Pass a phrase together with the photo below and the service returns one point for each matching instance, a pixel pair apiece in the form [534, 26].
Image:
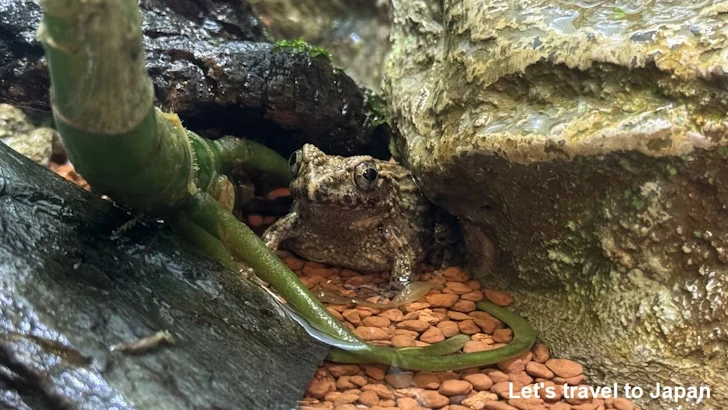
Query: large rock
[589, 142]
[74, 283]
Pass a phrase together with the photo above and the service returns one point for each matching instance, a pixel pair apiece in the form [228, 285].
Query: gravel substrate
[448, 309]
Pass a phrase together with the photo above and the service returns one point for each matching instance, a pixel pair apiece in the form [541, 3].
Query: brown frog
[356, 212]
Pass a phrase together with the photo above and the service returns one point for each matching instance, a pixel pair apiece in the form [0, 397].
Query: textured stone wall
[588, 141]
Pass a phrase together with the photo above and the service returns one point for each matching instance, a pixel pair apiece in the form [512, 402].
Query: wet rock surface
[208, 64]
[356, 32]
[73, 284]
[588, 142]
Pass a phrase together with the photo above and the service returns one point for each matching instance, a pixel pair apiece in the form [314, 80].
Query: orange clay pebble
[399, 380]
[369, 398]
[332, 395]
[427, 380]
[376, 321]
[255, 220]
[395, 315]
[448, 328]
[438, 282]
[468, 327]
[441, 300]
[426, 315]
[411, 316]
[455, 387]
[540, 353]
[504, 389]
[432, 399]
[498, 297]
[403, 341]
[537, 369]
[311, 270]
[496, 375]
[408, 403]
[371, 333]
[521, 378]
[320, 385]
[474, 296]
[479, 381]
[432, 335]
[382, 391]
[486, 325]
[352, 315]
[455, 274]
[338, 370]
[335, 314]
[415, 306]
[343, 383]
[564, 368]
[415, 325]
[516, 364]
[457, 316]
[456, 288]
[483, 338]
[464, 306]
[346, 398]
[480, 400]
[474, 346]
[527, 404]
[473, 284]
[375, 371]
[293, 262]
[503, 335]
[278, 193]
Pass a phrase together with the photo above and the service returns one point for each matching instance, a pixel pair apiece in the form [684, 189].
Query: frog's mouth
[319, 199]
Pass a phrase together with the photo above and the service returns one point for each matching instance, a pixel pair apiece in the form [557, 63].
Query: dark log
[73, 283]
[208, 65]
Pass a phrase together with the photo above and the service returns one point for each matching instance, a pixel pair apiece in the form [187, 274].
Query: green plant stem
[103, 105]
[523, 339]
[239, 152]
[202, 240]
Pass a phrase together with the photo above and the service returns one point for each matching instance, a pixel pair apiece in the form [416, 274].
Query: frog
[355, 212]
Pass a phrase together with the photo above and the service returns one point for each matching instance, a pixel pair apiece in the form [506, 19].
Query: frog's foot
[281, 230]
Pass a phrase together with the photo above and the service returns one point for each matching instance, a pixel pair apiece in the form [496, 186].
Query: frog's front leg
[405, 258]
[281, 230]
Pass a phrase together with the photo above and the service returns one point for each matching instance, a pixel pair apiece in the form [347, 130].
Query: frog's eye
[294, 161]
[365, 175]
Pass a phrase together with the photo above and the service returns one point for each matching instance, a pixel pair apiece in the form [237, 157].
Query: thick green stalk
[237, 152]
[103, 100]
[202, 240]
